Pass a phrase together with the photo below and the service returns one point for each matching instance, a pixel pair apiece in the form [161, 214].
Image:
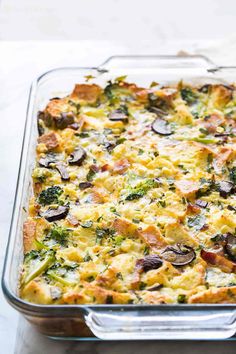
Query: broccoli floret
[141, 189]
[59, 234]
[50, 195]
[188, 95]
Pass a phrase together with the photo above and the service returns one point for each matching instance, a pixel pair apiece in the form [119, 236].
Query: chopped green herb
[120, 141]
[162, 203]
[82, 134]
[146, 250]
[91, 173]
[140, 151]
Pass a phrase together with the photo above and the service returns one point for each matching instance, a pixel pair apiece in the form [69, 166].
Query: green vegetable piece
[205, 140]
[181, 299]
[141, 189]
[40, 266]
[40, 245]
[188, 95]
[50, 195]
[67, 282]
[59, 234]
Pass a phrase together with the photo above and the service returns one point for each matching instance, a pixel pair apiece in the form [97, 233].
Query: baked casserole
[134, 197]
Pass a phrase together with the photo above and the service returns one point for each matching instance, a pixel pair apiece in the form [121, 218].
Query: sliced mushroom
[85, 185]
[149, 262]
[230, 207]
[204, 88]
[65, 119]
[53, 214]
[118, 115]
[201, 203]
[61, 167]
[179, 255]
[155, 287]
[226, 188]
[48, 159]
[162, 127]
[109, 145]
[159, 112]
[74, 126]
[230, 246]
[78, 156]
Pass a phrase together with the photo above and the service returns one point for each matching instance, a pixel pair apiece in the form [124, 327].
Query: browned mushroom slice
[65, 119]
[74, 126]
[144, 265]
[48, 159]
[85, 185]
[219, 261]
[61, 167]
[150, 262]
[201, 203]
[159, 112]
[77, 156]
[226, 188]
[162, 127]
[119, 115]
[53, 214]
[230, 246]
[179, 255]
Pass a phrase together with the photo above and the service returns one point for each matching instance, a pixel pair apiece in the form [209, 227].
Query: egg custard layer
[134, 197]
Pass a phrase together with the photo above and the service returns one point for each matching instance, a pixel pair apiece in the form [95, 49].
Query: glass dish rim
[64, 310]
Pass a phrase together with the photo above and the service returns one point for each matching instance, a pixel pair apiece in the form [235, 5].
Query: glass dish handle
[163, 62]
[157, 324]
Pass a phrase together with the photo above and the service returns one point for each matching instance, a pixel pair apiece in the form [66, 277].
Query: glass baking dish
[111, 322]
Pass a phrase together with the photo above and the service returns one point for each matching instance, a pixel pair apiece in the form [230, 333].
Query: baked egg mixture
[134, 197]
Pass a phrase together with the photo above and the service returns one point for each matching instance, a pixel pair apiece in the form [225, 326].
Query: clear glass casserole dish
[112, 322]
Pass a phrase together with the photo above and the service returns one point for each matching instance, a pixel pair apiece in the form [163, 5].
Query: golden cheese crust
[133, 197]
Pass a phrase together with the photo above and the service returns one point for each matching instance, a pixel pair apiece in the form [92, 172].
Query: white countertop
[20, 63]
